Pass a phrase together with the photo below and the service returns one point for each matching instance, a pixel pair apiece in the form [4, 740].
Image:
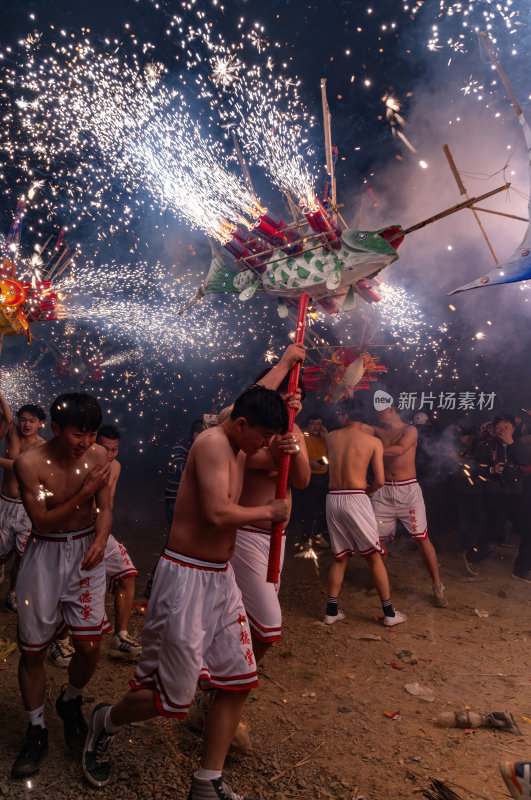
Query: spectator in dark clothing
[501, 464]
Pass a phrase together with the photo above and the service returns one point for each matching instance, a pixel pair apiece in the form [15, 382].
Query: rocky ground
[320, 722]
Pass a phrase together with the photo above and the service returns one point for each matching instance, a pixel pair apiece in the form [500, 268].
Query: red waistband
[405, 482]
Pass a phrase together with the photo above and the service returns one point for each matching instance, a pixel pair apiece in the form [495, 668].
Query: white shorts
[351, 524]
[50, 574]
[196, 630]
[400, 500]
[118, 565]
[15, 527]
[260, 598]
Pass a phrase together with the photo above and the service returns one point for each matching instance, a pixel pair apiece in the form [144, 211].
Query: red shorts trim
[151, 685]
[263, 633]
[114, 580]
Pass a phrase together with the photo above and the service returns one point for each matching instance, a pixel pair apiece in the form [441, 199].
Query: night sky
[154, 385]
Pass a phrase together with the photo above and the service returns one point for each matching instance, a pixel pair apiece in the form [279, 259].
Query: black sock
[387, 608]
[331, 607]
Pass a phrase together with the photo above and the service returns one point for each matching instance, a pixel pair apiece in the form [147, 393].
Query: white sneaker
[213, 790]
[124, 647]
[60, 652]
[396, 620]
[329, 619]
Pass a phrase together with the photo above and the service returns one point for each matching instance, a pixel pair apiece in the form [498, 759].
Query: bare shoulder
[96, 455]
[34, 455]
[38, 442]
[116, 468]
[210, 443]
[410, 431]
[376, 443]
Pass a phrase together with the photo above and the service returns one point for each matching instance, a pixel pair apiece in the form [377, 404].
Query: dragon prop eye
[361, 236]
[525, 252]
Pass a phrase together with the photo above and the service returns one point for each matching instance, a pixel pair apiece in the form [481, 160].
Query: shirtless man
[120, 572]
[62, 566]
[349, 515]
[401, 497]
[15, 525]
[196, 626]
[251, 554]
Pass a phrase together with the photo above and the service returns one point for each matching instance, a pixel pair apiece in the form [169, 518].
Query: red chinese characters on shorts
[85, 597]
[242, 619]
[84, 582]
[244, 637]
[249, 657]
[86, 612]
[123, 551]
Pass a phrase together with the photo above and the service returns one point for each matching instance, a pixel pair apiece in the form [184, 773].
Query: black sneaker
[213, 790]
[75, 725]
[33, 751]
[96, 753]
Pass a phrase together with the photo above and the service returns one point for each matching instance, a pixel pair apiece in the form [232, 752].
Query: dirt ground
[318, 720]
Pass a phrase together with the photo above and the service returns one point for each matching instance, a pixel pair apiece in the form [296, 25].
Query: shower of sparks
[272, 121]
[470, 17]
[392, 109]
[225, 71]
[102, 129]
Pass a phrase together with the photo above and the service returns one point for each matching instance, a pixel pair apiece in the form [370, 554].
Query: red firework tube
[273, 565]
[238, 250]
[319, 224]
[252, 245]
[280, 225]
[270, 232]
[335, 227]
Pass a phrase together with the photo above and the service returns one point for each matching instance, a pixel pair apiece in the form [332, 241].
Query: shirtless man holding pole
[401, 497]
[349, 515]
[196, 627]
[62, 575]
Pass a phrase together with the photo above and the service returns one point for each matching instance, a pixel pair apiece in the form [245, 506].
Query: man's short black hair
[263, 408]
[79, 409]
[313, 417]
[109, 432]
[353, 409]
[197, 426]
[35, 411]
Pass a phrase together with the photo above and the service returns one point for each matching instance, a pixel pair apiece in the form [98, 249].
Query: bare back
[350, 451]
[400, 446]
[213, 470]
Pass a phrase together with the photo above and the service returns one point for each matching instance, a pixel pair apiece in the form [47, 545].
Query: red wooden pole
[273, 566]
